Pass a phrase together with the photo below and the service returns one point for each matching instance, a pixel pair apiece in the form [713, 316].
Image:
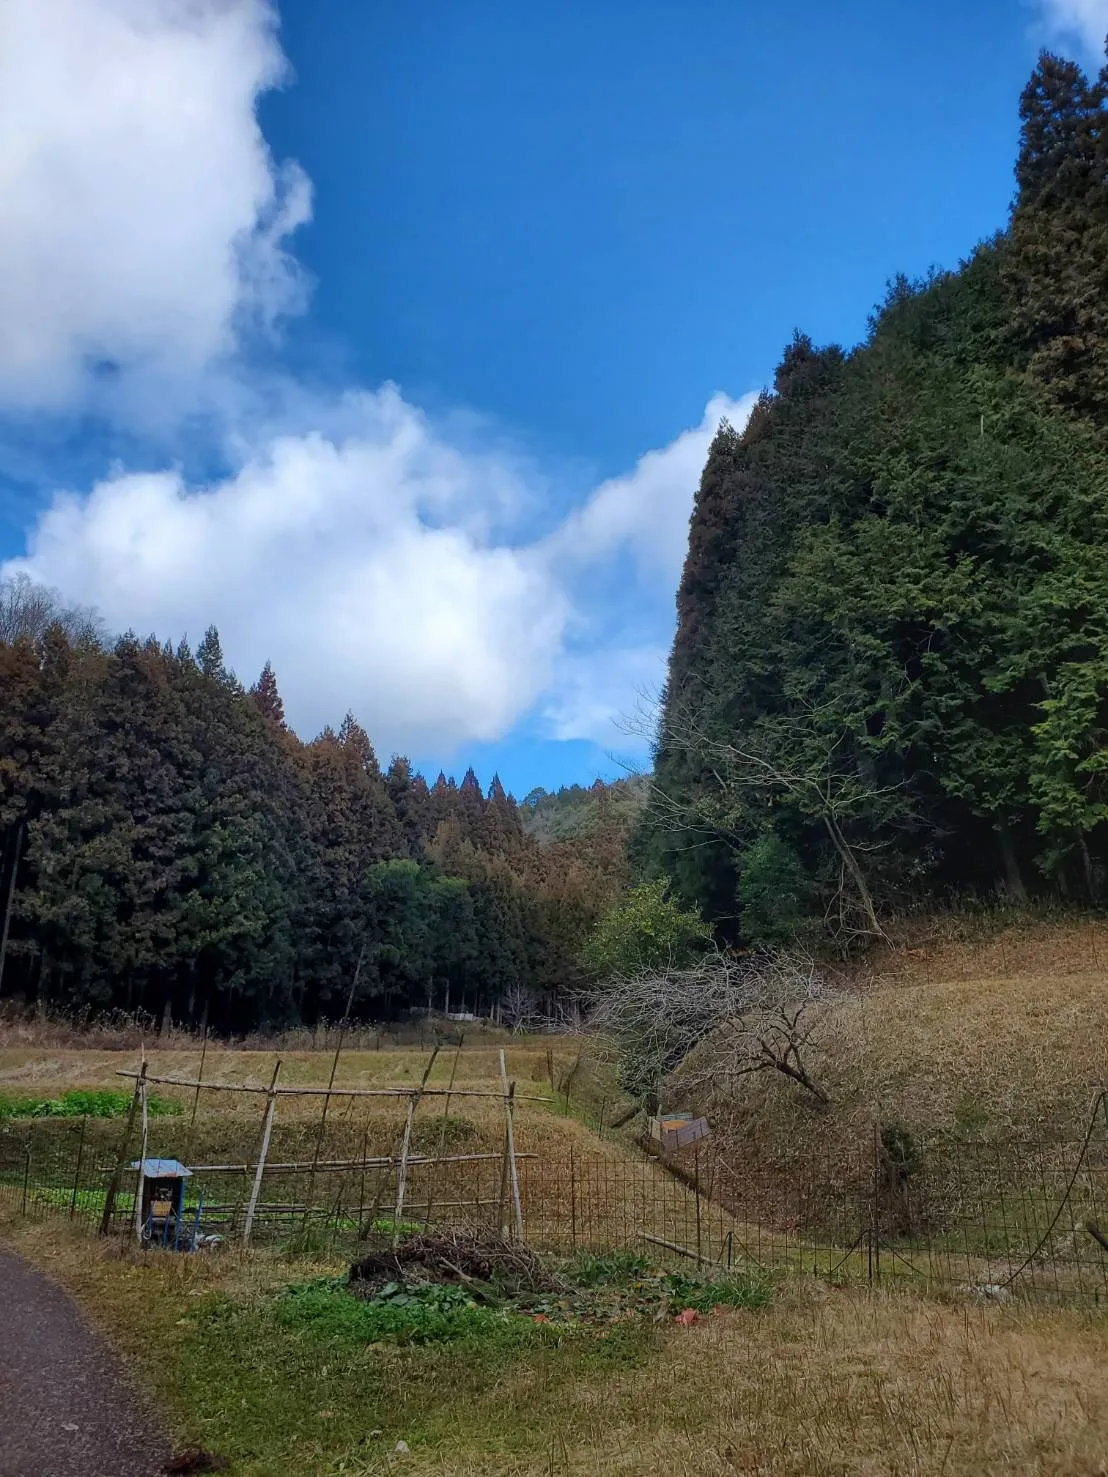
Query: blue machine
[163, 1204]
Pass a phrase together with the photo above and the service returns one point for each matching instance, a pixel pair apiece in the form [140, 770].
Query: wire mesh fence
[1002, 1217]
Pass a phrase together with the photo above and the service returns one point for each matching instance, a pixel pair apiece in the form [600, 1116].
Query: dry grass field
[991, 1058]
[828, 1381]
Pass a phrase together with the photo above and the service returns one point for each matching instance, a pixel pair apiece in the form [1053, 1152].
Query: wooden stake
[196, 1095]
[267, 1130]
[142, 1160]
[445, 1120]
[402, 1172]
[121, 1158]
[310, 1197]
[509, 1114]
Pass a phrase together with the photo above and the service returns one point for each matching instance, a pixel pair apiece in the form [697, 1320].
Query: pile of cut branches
[480, 1263]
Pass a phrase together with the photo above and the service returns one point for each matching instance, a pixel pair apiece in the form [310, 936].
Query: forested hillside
[168, 844]
[577, 811]
[890, 673]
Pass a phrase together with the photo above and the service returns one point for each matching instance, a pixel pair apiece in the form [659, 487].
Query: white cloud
[607, 696]
[362, 564]
[375, 558]
[1085, 21]
[647, 509]
[333, 559]
[144, 218]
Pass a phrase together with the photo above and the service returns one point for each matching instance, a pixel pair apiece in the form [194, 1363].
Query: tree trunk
[1087, 865]
[10, 902]
[850, 862]
[1013, 877]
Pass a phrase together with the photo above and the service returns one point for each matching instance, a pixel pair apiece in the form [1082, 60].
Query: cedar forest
[172, 847]
[889, 685]
[887, 689]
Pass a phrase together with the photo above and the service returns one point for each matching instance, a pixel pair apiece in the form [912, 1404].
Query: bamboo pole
[267, 1130]
[450, 1089]
[509, 1113]
[693, 1256]
[382, 1162]
[331, 1080]
[501, 1199]
[402, 1172]
[121, 1158]
[403, 1092]
[142, 1160]
[445, 1120]
[196, 1095]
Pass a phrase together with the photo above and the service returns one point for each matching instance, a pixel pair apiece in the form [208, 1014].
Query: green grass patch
[314, 1380]
[80, 1103]
[435, 1313]
[735, 1290]
[633, 1282]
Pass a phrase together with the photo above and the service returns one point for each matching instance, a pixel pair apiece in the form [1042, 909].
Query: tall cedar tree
[894, 611]
[168, 845]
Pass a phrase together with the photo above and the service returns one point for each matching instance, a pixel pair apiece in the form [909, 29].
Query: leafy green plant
[385, 1225]
[81, 1103]
[617, 1266]
[647, 929]
[736, 1290]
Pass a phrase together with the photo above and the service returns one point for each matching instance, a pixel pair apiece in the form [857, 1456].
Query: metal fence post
[26, 1173]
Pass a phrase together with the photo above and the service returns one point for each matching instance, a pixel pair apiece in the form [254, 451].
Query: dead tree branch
[726, 1016]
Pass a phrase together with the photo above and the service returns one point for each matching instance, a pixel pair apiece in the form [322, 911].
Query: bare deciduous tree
[747, 1014]
[28, 610]
[519, 1009]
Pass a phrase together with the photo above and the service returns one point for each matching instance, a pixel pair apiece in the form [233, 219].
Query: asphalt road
[66, 1407]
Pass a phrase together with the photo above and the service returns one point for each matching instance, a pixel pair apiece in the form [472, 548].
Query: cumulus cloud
[607, 695]
[145, 221]
[348, 563]
[380, 561]
[1085, 21]
[647, 510]
[367, 566]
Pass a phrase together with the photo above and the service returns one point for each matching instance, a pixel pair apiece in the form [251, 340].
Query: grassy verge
[824, 1383]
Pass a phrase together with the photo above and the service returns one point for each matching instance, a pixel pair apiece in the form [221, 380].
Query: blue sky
[392, 339]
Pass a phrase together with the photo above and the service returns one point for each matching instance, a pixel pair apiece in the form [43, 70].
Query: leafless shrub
[746, 1014]
[520, 1009]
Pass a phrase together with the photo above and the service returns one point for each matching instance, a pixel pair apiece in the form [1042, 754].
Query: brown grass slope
[1000, 1040]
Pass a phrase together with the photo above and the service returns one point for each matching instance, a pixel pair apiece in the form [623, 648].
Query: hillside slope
[1013, 1055]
